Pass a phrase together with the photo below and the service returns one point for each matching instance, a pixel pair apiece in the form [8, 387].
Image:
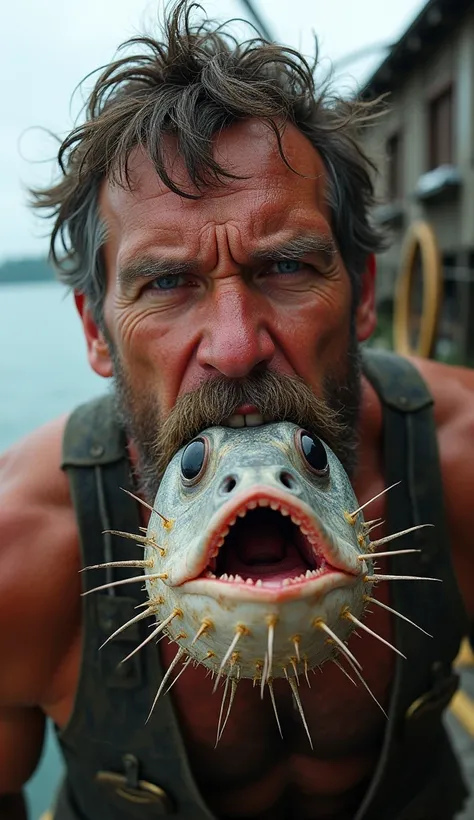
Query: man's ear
[98, 352]
[366, 312]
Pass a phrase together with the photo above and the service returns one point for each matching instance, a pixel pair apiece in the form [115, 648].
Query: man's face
[243, 280]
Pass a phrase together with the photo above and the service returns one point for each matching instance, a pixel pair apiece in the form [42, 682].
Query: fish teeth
[219, 542]
[238, 578]
[274, 505]
[263, 502]
[242, 513]
[284, 511]
[296, 520]
[230, 578]
[304, 530]
[231, 523]
[298, 578]
[223, 577]
[259, 583]
[309, 573]
[249, 581]
[251, 505]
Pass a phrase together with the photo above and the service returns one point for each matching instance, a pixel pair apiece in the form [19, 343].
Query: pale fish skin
[244, 628]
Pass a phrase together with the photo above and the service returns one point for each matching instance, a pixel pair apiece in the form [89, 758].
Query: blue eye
[168, 282]
[288, 266]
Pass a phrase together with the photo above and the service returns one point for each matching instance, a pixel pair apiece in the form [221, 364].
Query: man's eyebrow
[298, 247]
[152, 269]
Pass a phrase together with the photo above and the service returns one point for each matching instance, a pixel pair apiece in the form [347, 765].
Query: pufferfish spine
[258, 562]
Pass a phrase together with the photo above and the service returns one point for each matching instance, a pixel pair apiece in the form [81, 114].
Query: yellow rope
[420, 244]
[465, 656]
[462, 707]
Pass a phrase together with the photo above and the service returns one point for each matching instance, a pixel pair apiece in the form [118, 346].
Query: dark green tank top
[118, 767]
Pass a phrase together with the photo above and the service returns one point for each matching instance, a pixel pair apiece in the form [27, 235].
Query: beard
[157, 437]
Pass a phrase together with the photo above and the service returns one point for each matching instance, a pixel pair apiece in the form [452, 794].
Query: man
[214, 211]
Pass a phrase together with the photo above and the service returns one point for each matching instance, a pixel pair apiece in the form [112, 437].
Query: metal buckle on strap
[140, 792]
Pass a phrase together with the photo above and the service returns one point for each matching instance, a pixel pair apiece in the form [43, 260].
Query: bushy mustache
[276, 396]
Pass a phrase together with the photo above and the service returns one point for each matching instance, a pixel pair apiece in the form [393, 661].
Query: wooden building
[424, 148]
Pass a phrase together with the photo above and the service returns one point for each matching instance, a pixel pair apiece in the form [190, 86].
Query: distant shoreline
[16, 271]
[17, 282]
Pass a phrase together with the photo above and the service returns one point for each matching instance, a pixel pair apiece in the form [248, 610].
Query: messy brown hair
[194, 82]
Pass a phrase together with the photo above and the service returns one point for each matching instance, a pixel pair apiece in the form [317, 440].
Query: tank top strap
[411, 457]
[119, 764]
[425, 682]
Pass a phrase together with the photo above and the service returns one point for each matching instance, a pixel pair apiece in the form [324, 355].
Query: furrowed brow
[298, 248]
[152, 269]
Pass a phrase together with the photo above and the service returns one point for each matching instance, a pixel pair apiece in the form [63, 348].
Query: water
[43, 373]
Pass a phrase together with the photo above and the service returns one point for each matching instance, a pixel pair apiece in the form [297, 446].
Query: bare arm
[453, 392]
[21, 728]
[38, 602]
[21, 742]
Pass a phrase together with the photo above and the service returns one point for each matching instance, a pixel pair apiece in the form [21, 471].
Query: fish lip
[241, 592]
[296, 507]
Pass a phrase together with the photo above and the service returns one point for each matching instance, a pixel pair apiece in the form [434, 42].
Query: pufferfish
[258, 561]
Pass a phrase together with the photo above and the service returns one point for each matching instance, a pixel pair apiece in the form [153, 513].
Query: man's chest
[254, 768]
[253, 772]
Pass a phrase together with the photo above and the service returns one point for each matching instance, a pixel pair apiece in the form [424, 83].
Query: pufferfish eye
[193, 459]
[314, 453]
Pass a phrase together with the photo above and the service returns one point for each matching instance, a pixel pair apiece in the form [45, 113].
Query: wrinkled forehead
[248, 150]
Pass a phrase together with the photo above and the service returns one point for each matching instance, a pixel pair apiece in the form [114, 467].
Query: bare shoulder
[452, 389]
[39, 562]
[35, 457]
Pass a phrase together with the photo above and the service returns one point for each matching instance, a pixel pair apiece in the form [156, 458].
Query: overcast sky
[48, 46]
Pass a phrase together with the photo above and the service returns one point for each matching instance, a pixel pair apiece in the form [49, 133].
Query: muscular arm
[39, 602]
[21, 727]
[453, 393]
[21, 741]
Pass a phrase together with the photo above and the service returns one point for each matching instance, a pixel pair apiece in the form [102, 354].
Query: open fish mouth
[270, 585]
[266, 544]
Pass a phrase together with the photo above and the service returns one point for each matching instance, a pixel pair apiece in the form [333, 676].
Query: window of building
[394, 167]
[440, 129]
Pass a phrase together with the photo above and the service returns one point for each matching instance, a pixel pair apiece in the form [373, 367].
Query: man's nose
[237, 337]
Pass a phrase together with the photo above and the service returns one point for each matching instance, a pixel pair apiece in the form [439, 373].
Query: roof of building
[434, 24]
